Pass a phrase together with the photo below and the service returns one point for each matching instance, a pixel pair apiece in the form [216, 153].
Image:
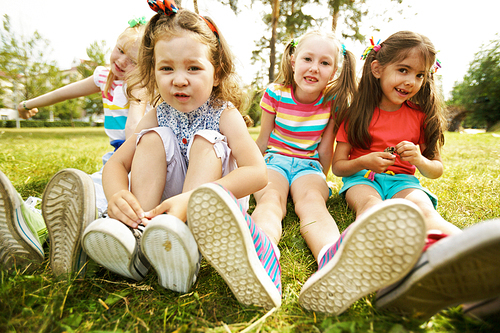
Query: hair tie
[135, 21]
[435, 67]
[344, 51]
[166, 7]
[373, 46]
[294, 43]
[212, 27]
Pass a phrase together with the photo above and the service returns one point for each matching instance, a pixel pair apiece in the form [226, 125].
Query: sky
[457, 31]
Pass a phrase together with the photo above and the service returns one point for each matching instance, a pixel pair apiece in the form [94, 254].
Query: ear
[216, 79]
[376, 69]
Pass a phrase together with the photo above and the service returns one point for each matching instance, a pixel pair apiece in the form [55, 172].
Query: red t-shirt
[387, 129]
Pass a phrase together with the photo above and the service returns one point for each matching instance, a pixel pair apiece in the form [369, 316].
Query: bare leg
[271, 206]
[362, 197]
[204, 165]
[148, 171]
[433, 220]
[317, 226]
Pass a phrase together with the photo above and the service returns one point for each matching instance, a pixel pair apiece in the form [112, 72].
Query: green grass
[103, 301]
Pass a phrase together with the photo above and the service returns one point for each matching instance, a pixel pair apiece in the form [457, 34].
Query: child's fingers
[160, 209]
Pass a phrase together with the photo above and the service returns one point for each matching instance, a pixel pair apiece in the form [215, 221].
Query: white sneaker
[171, 249]
[376, 250]
[68, 206]
[20, 243]
[116, 247]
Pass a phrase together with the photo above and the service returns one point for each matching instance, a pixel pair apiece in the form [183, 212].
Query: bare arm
[266, 127]
[122, 204]
[411, 153]
[343, 167]
[135, 113]
[325, 148]
[81, 88]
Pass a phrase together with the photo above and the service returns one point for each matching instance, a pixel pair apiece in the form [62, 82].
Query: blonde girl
[196, 135]
[72, 199]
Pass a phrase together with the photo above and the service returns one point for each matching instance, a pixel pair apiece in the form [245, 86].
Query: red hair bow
[166, 7]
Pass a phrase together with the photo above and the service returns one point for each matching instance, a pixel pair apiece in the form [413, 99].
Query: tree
[26, 70]
[479, 92]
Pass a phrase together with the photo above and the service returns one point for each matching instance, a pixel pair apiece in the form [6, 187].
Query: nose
[410, 81]
[314, 67]
[180, 79]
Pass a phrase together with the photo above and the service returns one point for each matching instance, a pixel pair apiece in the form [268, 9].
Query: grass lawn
[104, 302]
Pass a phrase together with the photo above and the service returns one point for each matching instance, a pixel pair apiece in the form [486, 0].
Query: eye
[194, 68]
[325, 63]
[403, 70]
[166, 69]
[307, 59]
[421, 76]
[120, 50]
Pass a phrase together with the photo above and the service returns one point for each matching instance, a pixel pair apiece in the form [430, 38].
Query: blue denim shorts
[386, 185]
[293, 167]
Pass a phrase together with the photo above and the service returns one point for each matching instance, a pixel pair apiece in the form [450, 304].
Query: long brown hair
[161, 26]
[369, 94]
[338, 91]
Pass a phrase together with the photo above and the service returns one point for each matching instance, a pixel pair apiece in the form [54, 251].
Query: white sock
[323, 251]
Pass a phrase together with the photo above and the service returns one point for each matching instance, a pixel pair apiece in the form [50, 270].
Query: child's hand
[25, 114]
[123, 206]
[176, 206]
[409, 152]
[378, 161]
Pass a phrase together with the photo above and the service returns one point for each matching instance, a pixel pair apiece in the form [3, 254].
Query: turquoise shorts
[386, 185]
[293, 168]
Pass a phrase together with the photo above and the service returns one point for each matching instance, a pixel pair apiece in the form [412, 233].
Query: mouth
[181, 96]
[402, 92]
[310, 79]
[118, 68]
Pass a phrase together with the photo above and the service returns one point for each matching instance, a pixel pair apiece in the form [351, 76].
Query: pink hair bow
[373, 46]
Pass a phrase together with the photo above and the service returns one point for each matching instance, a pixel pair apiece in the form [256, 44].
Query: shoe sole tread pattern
[15, 247]
[68, 206]
[112, 245]
[449, 273]
[169, 255]
[228, 246]
[376, 252]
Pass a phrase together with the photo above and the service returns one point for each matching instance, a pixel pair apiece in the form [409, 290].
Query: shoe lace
[32, 202]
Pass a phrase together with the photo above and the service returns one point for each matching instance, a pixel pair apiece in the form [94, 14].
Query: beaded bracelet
[24, 106]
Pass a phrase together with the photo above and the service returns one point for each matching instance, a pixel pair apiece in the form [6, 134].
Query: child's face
[122, 62]
[313, 66]
[183, 72]
[400, 80]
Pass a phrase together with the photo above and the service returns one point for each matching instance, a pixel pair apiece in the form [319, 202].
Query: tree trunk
[272, 46]
[335, 16]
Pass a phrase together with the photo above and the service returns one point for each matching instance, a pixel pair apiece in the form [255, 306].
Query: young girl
[69, 201]
[394, 126]
[196, 136]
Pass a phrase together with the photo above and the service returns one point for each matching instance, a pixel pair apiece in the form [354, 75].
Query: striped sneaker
[458, 269]
[379, 248]
[235, 246]
[115, 246]
[22, 229]
[68, 206]
[171, 249]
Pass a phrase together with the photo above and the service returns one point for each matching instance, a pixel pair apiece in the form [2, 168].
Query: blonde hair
[162, 26]
[338, 91]
[428, 99]
[130, 36]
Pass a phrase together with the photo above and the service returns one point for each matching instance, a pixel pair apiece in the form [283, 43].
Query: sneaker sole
[381, 248]
[224, 240]
[171, 249]
[458, 269]
[18, 245]
[68, 206]
[112, 245]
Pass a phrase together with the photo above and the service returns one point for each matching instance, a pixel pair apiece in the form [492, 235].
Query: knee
[305, 202]
[274, 197]
[150, 138]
